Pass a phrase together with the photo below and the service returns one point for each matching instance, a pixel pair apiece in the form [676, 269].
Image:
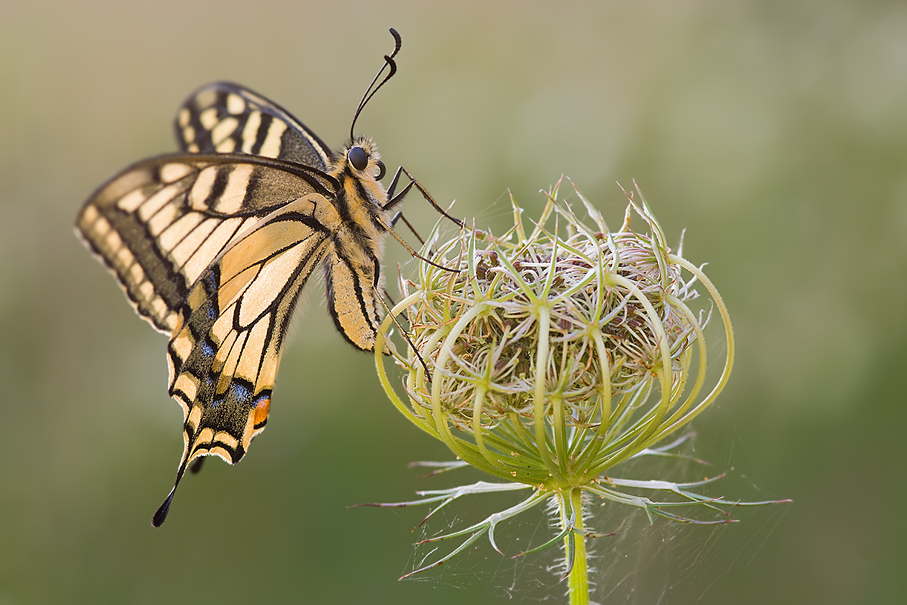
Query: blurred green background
[775, 133]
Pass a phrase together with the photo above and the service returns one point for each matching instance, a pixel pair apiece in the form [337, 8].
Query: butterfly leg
[399, 216]
[394, 200]
[394, 183]
[405, 334]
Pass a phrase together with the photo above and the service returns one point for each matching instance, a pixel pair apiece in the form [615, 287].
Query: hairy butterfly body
[213, 245]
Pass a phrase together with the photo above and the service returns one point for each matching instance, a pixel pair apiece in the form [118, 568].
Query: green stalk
[578, 577]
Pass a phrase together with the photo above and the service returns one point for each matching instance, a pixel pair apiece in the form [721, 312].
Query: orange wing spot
[260, 414]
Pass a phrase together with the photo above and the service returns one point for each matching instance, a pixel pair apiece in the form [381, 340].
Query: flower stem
[575, 541]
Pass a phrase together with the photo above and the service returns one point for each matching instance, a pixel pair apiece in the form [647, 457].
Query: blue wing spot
[241, 393]
[208, 349]
[210, 280]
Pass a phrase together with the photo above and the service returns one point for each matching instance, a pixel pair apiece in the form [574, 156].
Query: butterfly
[213, 245]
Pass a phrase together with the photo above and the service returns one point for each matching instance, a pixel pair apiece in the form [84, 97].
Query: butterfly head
[363, 160]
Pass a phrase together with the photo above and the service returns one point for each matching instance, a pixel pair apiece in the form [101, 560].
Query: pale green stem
[578, 579]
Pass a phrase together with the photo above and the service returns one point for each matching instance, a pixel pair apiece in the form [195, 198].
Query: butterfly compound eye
[358, 158]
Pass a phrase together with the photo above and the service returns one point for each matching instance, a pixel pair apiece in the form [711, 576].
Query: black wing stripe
[261, 133]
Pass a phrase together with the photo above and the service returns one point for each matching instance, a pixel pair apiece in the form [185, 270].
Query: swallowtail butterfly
[213, 245]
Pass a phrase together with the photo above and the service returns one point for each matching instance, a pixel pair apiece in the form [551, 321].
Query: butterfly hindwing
[225, 350]
[159, 224]
[227, 118]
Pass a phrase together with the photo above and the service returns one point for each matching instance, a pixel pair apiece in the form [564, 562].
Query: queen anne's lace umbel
[553, 353]
[549, 358]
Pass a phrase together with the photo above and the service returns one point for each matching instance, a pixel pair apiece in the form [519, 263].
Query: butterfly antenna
[372, 88]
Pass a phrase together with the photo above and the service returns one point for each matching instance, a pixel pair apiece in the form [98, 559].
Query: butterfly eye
[380, 170]
[358, 158]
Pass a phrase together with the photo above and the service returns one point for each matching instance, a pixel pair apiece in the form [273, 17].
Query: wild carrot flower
[546, 360]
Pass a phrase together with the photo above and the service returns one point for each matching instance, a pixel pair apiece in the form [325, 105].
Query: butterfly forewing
[228, 118]
[159, 224]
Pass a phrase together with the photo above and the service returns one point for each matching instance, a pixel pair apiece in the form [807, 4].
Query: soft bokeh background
[774, 132]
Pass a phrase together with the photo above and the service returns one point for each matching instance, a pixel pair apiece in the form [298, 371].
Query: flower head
[548, 358]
